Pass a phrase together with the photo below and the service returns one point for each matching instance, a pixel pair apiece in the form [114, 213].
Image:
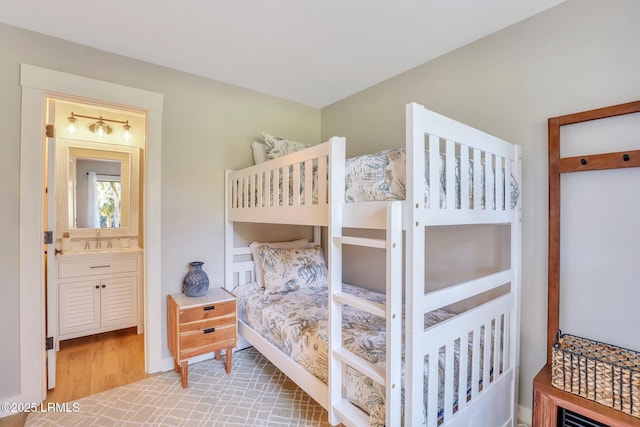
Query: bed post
[336, 202]
[393, 374]
[228, 235]
[516, 285]
[414, 258]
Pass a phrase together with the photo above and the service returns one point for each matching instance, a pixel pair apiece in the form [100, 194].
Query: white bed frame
[491, 404]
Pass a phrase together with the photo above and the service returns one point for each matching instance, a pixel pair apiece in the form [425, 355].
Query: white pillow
[278, 147]
[259, 152]
[289, 269]
[257, 263]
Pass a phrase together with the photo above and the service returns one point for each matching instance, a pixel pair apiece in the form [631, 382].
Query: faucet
[98, 244]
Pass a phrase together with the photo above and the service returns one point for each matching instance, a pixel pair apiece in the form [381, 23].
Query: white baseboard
[166, 364]
[525, 415]
[242, 343]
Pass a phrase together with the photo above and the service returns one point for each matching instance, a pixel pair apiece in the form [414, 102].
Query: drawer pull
[209, 330]
[100, 266]
[209, 307]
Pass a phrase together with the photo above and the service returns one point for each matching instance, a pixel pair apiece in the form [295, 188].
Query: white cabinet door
[119, 302]
[79, 306]
[97, 294]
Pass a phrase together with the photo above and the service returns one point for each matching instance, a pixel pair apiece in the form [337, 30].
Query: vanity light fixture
[100, 128]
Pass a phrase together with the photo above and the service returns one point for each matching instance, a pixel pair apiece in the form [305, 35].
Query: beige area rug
[255, 393]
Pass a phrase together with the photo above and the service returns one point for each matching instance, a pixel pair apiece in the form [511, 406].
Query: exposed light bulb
[127, 131]
[100, 128]
[72, 124]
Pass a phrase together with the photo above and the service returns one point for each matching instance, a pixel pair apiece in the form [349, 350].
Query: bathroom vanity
[98, 277]
[99, 291]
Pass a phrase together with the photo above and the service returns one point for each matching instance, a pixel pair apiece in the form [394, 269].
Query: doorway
[38, 83]
[92, 205]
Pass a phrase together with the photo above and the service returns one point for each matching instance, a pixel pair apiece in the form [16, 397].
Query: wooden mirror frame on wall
[558, 166]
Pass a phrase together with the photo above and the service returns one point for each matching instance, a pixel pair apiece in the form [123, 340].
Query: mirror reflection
[98, 194]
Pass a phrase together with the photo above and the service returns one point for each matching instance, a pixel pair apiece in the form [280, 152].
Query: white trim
[84, 87]
[32, 363]
[37, 83]
[525, 415]
[167, 363]
[153, 243]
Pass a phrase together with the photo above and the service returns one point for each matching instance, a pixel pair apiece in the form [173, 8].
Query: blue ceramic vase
[196, 282]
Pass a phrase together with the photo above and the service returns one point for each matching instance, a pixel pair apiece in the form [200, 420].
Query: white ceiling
[312, 52]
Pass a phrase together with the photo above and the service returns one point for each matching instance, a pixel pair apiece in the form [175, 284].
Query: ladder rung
[374, 308]
[367, 368]
[350, 415]
[361, 241]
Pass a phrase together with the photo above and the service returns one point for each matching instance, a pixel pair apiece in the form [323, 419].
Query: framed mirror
[96, 187]
[98, 193]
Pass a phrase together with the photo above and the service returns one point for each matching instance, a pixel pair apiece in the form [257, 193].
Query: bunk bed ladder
[390, 377]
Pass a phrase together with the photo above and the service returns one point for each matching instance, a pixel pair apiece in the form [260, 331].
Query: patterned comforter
[296, 323]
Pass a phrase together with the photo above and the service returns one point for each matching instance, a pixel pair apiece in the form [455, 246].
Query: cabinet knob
[97, 286]
[209, 308]
[104, 286]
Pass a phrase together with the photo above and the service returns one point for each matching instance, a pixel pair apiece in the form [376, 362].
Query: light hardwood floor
[93, 364]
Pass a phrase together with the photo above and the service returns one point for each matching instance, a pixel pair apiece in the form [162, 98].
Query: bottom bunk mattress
[296, 323]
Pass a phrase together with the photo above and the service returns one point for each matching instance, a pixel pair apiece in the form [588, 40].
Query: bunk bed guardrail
[293, 189]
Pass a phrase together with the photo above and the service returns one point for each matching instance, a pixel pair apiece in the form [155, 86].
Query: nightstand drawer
[210, 336]
[216, 322]
[188, 353]
[208, 311]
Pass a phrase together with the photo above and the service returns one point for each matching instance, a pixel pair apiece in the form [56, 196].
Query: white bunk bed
[291, 190]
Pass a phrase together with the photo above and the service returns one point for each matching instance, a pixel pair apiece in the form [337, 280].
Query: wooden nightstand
[199, 325]
[548, 401]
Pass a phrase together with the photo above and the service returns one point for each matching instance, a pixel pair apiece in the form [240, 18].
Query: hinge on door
[48, 342]
[50, 131]
[48, 237]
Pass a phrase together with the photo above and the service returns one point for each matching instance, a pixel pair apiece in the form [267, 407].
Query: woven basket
[601, 372]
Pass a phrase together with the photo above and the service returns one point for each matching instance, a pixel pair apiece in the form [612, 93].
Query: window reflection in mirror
[98, 194]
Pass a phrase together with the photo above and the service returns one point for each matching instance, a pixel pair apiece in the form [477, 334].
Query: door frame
[38, 83]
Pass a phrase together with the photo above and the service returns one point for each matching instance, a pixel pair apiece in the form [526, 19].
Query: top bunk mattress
[381, 176]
